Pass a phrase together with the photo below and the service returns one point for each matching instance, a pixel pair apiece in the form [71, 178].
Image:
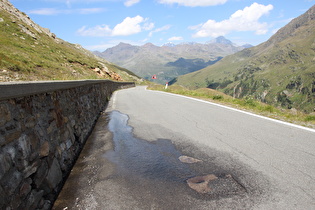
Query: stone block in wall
[11, 136]
[5, 115]
[23, 146]
[33, 199]
[30, 122]
[40, 174]
[44, 149]
[30, 169]
[11, 181]
[5, 164]
[2, 139]
[25, 188]
[54, 176]
[3, 196]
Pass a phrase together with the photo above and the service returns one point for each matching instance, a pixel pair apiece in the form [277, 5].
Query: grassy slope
[281, 73]
[24, 58]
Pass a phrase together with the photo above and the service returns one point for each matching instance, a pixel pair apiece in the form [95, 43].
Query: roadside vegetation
[247, 104]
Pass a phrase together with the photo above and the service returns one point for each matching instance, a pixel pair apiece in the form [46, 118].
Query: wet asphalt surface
[117, 170]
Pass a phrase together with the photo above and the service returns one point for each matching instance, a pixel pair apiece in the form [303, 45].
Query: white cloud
[97, 31]
[176, 38]
[45, 11]
[164, 28]
[242, 20]
[147, 25]
[90, 10]
[193, 3]
[53, 11]
[129, 26]
[129, 3]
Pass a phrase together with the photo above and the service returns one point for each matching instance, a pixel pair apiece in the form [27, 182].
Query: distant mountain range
[280, 71]
[169, 60]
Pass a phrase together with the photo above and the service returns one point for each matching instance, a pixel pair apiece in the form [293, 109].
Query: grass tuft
[310, 118]
[217, 97]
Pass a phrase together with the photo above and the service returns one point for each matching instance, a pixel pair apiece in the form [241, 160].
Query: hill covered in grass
[280, 71]
[30, 52]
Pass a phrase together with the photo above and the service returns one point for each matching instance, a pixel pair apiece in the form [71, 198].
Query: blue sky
[101, 24]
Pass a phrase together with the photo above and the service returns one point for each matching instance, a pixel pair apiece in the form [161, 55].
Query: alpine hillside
[280, 71]
[30, 52]
[169, 60]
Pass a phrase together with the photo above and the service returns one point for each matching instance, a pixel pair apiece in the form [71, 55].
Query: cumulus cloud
[193, 3]
[129, 3]
[129, 26]
[242, 20]
[176, 38]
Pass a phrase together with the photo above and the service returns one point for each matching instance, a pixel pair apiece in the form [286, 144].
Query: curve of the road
[283, 153]
[132, 159]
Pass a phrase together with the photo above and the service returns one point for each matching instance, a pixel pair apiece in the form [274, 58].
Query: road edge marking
[238, 110]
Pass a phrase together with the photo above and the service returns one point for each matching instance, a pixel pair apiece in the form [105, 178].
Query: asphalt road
[132, 161]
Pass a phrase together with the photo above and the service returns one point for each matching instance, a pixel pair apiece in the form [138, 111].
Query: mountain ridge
[150, 59]
[280, 71]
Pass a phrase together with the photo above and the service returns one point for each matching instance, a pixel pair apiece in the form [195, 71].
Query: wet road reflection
[159, 162]
[154, 160]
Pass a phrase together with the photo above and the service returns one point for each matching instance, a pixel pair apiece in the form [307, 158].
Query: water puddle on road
[132, 156]
[160, 165]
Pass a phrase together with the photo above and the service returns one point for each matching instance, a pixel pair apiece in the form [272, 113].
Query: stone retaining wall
[42, 133]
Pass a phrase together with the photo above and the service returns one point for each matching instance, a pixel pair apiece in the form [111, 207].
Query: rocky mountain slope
[30, 52]
[280, 71]
[169, 60]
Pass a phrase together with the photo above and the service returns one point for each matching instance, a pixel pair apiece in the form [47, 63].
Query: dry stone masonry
[41, 135]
